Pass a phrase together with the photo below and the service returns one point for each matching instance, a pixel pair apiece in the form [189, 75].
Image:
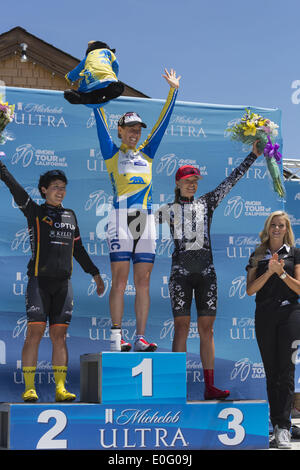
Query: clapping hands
[276, 266]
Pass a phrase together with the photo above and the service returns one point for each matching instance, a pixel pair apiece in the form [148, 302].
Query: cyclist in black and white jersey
[192, 269]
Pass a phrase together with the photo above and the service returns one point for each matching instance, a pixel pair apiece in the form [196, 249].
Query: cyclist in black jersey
[192, 269]
[55, 239]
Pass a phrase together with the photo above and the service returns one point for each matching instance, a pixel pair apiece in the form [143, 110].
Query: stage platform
[135, 402]
[85, 426]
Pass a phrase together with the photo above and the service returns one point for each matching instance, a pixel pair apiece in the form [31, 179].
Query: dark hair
[48, 177]
[98, 45]
[177, 194]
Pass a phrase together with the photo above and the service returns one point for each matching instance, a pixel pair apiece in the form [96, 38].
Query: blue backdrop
[292, 207]
[48, 133]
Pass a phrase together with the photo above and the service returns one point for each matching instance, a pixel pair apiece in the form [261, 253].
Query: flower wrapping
[6, 116]
[252, 127]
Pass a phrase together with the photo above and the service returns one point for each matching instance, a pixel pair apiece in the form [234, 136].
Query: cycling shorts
[182, 288]
[49, 299]
[130, 235]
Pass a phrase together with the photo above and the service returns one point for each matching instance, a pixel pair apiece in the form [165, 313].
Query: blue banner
[292, 207]
[49, 133]
[111, 427]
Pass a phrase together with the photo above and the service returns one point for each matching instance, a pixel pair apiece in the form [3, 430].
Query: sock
[137, 337]
[29, 375]
[211, 391]
[60, 374]
[208, 377]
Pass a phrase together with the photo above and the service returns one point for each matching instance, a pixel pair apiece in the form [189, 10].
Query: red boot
[211, 392]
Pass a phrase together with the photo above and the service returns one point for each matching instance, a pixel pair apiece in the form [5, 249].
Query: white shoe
[283, 438]
[142, 345]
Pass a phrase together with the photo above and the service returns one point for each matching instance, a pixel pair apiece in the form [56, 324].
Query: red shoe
[213, 393]
[125, 347]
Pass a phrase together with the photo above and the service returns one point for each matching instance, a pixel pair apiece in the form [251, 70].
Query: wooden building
[45, 67]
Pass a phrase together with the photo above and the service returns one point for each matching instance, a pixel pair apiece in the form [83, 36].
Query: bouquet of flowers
[252, 127]
[6, 116]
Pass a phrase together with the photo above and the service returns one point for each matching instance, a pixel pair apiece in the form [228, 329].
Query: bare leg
[207, 354]
[120, 271]
[181, 331]
[142, 272]
[207, 344]
[58, 335]
[35, 332]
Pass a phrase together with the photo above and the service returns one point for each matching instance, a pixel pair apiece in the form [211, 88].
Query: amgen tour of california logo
[26, 155]
[237, 206]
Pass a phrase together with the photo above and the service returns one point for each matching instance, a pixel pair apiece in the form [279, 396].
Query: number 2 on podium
[145, 368]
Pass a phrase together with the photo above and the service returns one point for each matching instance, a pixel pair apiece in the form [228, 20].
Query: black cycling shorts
[182, 288]
[49, 299]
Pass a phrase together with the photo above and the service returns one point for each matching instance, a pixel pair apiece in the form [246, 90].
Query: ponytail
[177, 195]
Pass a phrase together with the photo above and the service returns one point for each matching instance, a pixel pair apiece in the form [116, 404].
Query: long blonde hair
[289, 238]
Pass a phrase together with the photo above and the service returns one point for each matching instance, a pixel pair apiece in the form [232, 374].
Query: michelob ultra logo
[152, 429]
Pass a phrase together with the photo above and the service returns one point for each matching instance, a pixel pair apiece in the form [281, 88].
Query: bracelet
[283, 275]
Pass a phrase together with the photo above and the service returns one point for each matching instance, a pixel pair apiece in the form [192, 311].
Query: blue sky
[227, 51]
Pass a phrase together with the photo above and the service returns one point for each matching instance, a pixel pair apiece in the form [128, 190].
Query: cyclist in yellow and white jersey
[131, 226]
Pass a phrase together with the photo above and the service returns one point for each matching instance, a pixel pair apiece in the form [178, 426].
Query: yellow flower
[261, 122]
[249, 129]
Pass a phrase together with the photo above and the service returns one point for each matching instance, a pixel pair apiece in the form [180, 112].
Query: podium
[138, 377]
[135, 402]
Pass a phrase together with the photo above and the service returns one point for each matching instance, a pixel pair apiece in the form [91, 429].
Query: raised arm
[21, 197]
[115, 65]
[108, 148]
[171, 78]
[74, 74]
[149, 147]
[217, 195]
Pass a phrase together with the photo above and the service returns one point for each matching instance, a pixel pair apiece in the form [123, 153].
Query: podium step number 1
[145, 368]
[133, 378]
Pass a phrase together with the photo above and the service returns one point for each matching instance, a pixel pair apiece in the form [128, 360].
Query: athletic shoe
[272, 441]
[64, 395]
[30, 395]
[283, 438]
[295, 432]
[125, 346]
[213, 393]
[141, 345]
[295, 413]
